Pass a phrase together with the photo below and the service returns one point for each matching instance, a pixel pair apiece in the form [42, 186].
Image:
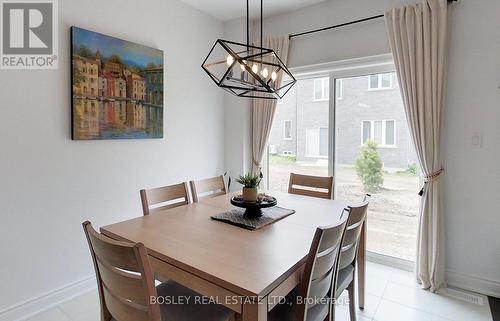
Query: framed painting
[116, 88]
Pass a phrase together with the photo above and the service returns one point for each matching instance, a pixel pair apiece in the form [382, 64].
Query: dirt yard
[393, 211]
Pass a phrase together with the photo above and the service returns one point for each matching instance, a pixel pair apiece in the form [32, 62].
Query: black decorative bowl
[254, 209]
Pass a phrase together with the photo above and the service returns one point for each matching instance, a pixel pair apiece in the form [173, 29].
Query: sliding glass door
[374, 154]
[350, 123]
[299, 140]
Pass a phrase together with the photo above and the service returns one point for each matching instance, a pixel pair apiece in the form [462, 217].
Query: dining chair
[315, 186]
[349, 253]
[310, 300]
[127, 289]
[162, 198]
[209, 187]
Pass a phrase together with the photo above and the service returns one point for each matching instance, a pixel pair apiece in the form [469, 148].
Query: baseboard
[473, 283]
[48, 300]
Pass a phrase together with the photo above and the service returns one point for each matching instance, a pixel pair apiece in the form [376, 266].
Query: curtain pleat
[263, 110]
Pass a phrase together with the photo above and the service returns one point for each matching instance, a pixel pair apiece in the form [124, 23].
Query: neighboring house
[367, 107]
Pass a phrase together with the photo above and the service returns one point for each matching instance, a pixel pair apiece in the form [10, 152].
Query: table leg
[253, 311]
[362, 267]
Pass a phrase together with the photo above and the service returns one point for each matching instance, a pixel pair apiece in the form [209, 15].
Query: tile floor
[392, 295]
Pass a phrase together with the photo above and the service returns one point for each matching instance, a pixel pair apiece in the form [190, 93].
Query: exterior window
[390, 133]
[380, 81]
[383, 132]
[321, 88]
[287, 135]
[339, 87]
[317, 142]
[323, 141]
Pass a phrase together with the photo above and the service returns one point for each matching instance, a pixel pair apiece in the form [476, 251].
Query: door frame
[346, 69]
[343, 69]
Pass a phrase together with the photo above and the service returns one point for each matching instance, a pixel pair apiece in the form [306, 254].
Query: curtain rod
[342, 24]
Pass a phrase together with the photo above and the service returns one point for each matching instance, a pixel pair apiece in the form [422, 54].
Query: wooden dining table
[246, 271]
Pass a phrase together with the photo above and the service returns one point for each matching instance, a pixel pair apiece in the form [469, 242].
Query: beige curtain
[263, 110]
[418, 37]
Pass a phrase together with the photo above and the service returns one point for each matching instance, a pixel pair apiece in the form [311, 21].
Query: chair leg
[331, 315]
[352, 302]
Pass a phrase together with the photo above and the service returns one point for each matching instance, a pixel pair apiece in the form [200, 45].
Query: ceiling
[230, 9]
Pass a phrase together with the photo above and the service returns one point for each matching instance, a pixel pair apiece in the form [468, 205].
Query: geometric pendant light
[246, 70]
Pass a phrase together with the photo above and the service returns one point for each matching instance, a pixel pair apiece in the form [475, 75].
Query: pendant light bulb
[229, 60]
[265, 73]
[255, 68]
[242, 65]
[274, 75]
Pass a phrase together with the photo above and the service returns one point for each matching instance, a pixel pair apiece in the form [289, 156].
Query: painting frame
[116, 88]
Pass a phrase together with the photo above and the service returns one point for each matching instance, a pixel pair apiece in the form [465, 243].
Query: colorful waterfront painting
[117, 88]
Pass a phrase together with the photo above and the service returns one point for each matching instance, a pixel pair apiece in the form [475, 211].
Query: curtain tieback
[259, 166]
[431, 177]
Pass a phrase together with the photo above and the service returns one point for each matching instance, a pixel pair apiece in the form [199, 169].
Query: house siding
[358, 103]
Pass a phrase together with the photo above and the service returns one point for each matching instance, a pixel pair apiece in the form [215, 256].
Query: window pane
[366, 131]
[389, 132]
[326, 88]
[393, 211]
[374, 81]
[386, 80]
[288, 129]
[301, 153]
[338, 88]
[317, 89]
[312, 142]
[323, 141]
[377, 133]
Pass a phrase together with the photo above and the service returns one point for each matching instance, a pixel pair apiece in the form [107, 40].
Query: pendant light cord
[261, 24]
[248, 26]
[261, 20]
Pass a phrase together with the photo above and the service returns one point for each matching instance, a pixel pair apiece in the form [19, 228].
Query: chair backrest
[321, 269]
[315, 186]
[162, 198]
[124, 278]
[355, 223]
[209, 187]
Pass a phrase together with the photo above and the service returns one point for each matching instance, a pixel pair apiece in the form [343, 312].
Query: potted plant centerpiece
[250, 183]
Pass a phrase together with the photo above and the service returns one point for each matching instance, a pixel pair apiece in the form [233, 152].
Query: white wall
[472, 174]
[50, 184]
